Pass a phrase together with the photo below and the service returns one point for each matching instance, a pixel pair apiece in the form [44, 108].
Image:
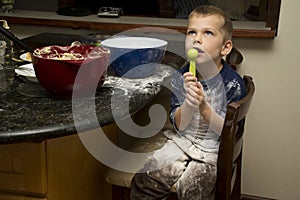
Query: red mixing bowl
[71, 71]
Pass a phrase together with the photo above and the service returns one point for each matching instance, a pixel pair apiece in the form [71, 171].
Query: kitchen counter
[28, 113]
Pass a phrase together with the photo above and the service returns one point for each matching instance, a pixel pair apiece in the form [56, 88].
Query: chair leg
[236, 193]
[120, 193]
[172, 196]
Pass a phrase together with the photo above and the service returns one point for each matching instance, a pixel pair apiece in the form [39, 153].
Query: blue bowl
[135, 57]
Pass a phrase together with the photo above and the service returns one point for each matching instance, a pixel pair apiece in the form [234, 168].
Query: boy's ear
[227, 47]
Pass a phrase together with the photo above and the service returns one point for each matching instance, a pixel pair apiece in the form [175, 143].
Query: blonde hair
[207, 10]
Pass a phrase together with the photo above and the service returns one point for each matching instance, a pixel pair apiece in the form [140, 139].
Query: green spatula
[192, 54]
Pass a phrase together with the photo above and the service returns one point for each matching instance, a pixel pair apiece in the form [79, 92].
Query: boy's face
[205, 34]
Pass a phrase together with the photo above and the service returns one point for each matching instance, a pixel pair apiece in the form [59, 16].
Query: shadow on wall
[253, 45]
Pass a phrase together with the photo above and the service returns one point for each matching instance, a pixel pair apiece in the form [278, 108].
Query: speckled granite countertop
[28, 113]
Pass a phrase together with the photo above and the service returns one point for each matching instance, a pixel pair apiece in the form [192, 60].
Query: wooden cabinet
[55, 169]
[23, 168]
[6, 196]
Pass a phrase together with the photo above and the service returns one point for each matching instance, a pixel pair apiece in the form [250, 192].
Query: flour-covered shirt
[220, 90]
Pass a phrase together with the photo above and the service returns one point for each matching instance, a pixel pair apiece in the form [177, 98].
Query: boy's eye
[209, 33]
[191, 32]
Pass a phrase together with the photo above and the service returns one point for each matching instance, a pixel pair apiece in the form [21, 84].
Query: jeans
[169, 165]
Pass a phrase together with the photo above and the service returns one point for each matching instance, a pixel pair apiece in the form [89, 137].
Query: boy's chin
[201, 60]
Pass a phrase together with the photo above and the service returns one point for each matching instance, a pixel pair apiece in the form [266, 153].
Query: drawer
[6, 196]
[23, 168]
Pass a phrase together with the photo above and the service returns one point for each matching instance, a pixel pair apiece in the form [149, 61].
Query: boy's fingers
[199, 85]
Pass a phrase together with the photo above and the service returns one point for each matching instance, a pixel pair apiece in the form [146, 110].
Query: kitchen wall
[271, 161]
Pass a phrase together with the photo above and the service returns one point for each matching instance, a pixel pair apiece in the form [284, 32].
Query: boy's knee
[145, 187]
[198, 181]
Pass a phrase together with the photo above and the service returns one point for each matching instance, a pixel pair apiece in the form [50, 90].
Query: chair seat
[118, 178]
[123, 179]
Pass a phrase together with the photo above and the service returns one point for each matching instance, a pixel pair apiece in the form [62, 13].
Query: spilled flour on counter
[142, 85]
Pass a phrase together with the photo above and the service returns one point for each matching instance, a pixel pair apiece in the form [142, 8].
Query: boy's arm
[195, 101]
[214, 120]
[183, 116]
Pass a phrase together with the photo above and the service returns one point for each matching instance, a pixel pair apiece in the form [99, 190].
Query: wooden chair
[234, 58]
[228, 184]
[229, 165]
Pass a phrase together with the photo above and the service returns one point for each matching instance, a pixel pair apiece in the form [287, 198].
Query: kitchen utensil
[16, 40]
[192, 55]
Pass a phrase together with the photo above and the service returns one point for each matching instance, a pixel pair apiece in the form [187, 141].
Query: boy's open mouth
[198, 49]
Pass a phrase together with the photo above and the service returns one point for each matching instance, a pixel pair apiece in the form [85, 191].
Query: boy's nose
[198, 39]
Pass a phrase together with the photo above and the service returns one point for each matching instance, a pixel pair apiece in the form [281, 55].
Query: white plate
[26, 57]
[26, 70]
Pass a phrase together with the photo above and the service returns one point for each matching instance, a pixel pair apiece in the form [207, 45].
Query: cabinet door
[6, 196]
[73, 173]
[23, 168]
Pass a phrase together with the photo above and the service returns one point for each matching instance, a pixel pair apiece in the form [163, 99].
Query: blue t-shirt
[225, 87]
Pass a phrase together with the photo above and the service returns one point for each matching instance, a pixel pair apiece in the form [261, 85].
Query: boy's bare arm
[195, 101]
[214, 120]
[183, 116]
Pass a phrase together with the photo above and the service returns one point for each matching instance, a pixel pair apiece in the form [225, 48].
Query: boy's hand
[194, 91]
[195, 98]
[189, 80]
[194, 101]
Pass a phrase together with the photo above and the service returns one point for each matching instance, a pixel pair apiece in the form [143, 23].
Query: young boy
[198, 107]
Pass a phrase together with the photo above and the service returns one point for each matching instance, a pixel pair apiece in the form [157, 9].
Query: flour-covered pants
[194, 179]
